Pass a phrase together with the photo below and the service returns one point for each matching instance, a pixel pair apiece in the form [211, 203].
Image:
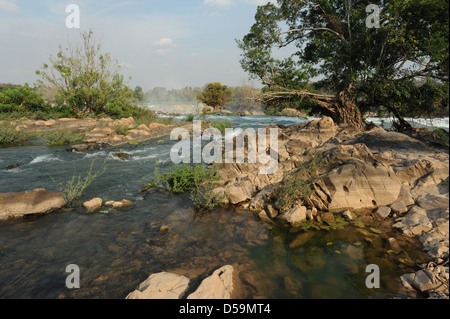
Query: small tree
[85, 79]
[215, 95]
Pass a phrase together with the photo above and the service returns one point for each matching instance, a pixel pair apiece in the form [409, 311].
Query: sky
[168, 43]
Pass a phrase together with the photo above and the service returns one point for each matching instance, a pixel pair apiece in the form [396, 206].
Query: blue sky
[170, 43]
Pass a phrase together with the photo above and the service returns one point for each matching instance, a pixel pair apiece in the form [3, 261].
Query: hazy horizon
[172, 44]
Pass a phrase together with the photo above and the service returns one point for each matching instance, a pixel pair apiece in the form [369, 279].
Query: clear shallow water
[117, 251]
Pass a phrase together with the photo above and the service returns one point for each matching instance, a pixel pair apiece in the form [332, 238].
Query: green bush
[197, 179]
[298, 185]
[22, 100]
[9, 134]
[221, 125]
[62, 137]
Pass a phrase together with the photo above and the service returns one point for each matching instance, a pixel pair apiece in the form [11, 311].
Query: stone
[384, 211]
[109, 203]
[99, 133]
[122, 156]
[415, 222]
[263, 216]
[164, 229]
[424, 280]
[272, 212]
[358, 185]
[348, 215]
[328, 216]
[398, 207]
[38, 201]
[355, 253]
[295, 215]
[93, 205]
[393, 245]
[217, 286]
[301, 239]
[161, 286]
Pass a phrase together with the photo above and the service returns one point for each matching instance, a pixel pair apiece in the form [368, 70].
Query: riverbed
[118, 249]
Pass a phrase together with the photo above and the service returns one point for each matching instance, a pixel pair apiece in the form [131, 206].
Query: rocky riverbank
[368, 175]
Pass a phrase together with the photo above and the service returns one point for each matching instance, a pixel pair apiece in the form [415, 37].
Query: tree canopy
[215, 95]
[86, 80]
[402, 65]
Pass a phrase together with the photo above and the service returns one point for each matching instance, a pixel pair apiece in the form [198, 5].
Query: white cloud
[220, 3]
[164, 42]
[9, 6]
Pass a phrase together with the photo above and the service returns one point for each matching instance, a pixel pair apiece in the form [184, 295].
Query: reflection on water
[117, 251]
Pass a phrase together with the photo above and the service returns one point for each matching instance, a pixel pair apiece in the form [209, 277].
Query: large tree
[215, 95]
[85, 79]
[394, 65]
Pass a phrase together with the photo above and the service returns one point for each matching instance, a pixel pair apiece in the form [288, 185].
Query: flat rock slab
[38, 201]
[161, 286]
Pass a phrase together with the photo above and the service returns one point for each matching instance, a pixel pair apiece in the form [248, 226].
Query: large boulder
[161, 286]
[360, 184]
[38, 201]
[217, 286]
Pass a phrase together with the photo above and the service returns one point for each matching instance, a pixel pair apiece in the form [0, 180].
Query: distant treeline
[6, 86]
[244, 97]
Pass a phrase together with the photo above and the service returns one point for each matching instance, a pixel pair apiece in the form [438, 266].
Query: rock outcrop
[161, 286]
[38, 201]
[166, 285]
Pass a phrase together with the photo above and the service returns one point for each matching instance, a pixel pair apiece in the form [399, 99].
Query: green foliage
[298, 185]
[22, 100]
[221, 125]
[122, 130]
[87, 81]
[330, 38]
[62, 137]
[9, 134]
[441, 135]
[215, 95]
[74, 188]
[198, 179]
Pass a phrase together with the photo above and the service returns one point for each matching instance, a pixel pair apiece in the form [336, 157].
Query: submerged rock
[38, 201]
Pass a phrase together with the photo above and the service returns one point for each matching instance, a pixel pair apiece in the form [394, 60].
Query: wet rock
[263, 216]
[161, 286]
[301, 239]
[355, 253]
[217, 286]
[93, 205]
[415, 222]
[271, 211]
[348, 215]
[122, 156]
[422, 280]
[393, 245]
[11, 167]
[398, 207]
[38, 201]
[164, 229]
[294, 216]
[384, 211]
[327, 216]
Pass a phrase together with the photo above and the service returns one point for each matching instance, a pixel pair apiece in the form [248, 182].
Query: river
[117, 250]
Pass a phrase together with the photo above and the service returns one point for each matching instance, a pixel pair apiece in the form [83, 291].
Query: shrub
[9, 134]
[298, 185]
[62, 137]
[221, 125]
[196, 178]
[73, 189]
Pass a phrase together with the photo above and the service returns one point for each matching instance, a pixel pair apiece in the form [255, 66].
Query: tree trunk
[402, 124]
[343, 110]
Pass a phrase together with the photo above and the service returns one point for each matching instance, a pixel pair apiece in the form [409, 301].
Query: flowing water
[117, 250]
